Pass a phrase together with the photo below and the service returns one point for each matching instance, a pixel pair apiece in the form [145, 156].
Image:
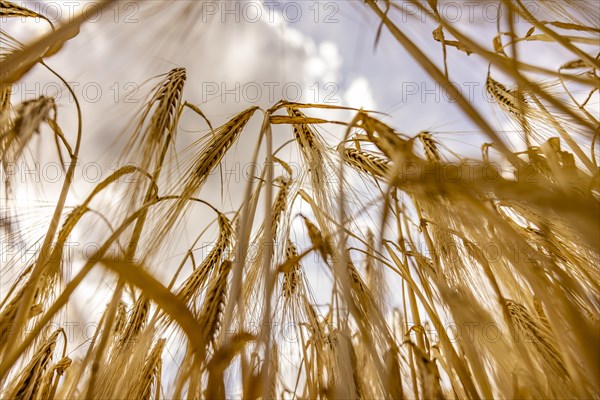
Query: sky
[240, 54]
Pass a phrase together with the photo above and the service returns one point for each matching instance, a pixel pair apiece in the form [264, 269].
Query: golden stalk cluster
[445, 276]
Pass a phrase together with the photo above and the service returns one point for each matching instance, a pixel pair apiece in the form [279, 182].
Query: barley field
[352, 255]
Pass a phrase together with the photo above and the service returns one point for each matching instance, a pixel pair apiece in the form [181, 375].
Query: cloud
[359, 94]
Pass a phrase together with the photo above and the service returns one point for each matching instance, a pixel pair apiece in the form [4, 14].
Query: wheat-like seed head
[507, 99]
[393, 383]
[252, 282]
[291, 277]
[385, 138]
[156, 125]
[208, 158]
[149, 375]
[343, 375]
[136, 322]
[526, 328]
[210, 316]
[429, 375]
[51, 378]
[304, 135]
[279, 205]
[29, 381]
[120, 320]
[214, 151]
[197, 280]
[366, 162]
[5, 95]
[317, 159]
[9, 312]
[29, 116]
[10, 9]
[319, 242]
[429, 145]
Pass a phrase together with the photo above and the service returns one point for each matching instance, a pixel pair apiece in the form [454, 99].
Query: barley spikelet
[575, 64]
[394, 375]
[192, 285]
[210, 321]
[312, 150]
[252, 284]
[29, 116]
[273, 371]
[27, 384]
[279, 209]
[429, 145]
[344, 381]
[7, 317]
[366, 162]
[156, 125]
[317, 160]
[279, 205]
[319, 242]
[208, 158]
[526, 328]
[291, 275]
[356, 281]
[385, 138]
[375, 273]
[46, 385]
[429, 374]
[320, 350]
[51, 378]
[306, 138]
[10, 9]
[5, 95]
[539, 309]
[368, 312]
[212, 154]
[120, 320]
[210, 317]
[510, 100]
[136, 322]
[149, 376]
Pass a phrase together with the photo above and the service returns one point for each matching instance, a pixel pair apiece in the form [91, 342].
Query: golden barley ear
[191, 287]
[10, 9]
[150, 374]
[208, 157]
[30, 379]
[216, 296]
[376, 166]
[29, 116]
